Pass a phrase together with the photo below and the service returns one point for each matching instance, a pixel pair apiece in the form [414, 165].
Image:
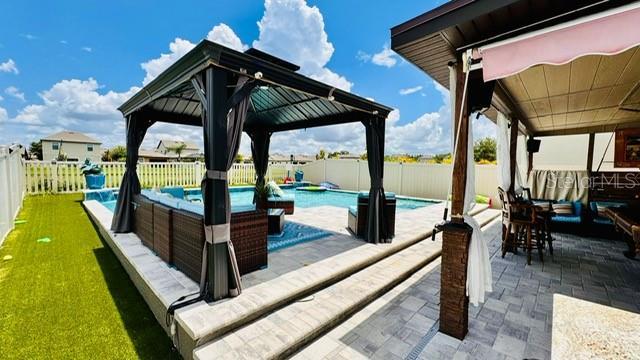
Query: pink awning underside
[608, 35]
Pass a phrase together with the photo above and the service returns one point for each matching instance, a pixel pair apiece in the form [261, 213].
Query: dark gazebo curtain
[223, 120]
[260, 140]
[376, 223]
[123, 214]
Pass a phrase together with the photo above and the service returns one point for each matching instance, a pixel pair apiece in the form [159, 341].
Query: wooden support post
[460, 127]
[456, 235]
[592, 138]
[513, 153]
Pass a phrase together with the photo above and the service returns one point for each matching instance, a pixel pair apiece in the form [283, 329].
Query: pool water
[304, 199]
[307, 199]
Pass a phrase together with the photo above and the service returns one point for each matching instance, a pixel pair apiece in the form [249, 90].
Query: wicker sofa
[176, 230]
[357, 217]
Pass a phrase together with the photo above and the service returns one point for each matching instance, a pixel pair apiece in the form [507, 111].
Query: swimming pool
[303, 199]
[308, 199]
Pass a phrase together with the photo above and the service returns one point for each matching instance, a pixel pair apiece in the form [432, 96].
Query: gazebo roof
[285, 100]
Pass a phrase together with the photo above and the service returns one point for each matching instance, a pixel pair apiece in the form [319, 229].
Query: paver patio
[515, 322]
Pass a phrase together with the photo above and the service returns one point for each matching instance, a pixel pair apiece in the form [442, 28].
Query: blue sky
[69, 64]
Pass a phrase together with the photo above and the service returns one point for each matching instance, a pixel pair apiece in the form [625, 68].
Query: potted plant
[93, 175]
[261, 195]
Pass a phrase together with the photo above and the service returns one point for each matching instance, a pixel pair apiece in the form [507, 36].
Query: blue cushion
[168, 200]
[353, 210]
[572, 219]
[602, 220]
[286, 197]
[175, 191]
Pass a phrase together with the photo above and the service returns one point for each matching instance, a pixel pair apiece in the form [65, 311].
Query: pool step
[283, 332]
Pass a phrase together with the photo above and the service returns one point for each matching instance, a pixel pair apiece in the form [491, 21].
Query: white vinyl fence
[65, 176]
[429, 181]
[11, 187]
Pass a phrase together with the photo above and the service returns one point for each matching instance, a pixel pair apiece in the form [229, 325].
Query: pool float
[312, 188]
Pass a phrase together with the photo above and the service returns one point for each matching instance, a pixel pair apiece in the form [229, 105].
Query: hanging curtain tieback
[215, 175]
[217, 234]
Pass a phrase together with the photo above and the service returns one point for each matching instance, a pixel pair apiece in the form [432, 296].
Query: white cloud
[386, 57]
[64, 42]
[1, 98]
[4, 116]
[76, 105]
[155, 67]
[9, 66]
[294, 31]
[221, 34]
[410, 90]
[87, 49]
[224, 35]
[29, 36]
[15, 92]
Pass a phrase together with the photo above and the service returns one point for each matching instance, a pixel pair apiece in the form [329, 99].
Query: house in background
[73, 145]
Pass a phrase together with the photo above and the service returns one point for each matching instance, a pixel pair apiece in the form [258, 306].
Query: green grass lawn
[70, 297]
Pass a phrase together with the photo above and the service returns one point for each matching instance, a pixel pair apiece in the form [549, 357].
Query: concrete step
[204, 322]
[397, 325]
[283, 332]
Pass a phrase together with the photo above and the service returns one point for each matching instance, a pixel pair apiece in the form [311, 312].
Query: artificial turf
[70, 297]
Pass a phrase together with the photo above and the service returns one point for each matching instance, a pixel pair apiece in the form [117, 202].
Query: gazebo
[538, 68]
[228, 92]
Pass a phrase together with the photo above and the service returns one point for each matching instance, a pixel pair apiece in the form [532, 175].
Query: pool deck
[292, 273]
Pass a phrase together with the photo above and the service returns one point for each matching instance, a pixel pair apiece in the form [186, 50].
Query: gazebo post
[454, 303]
[215, 140]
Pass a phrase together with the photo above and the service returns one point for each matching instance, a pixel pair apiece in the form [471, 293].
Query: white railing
[410, 179]
[65, 176]
[11, 187]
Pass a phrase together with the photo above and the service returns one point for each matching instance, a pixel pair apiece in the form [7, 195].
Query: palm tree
[178, 149]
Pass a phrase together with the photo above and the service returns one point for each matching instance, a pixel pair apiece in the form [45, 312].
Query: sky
[68, 65]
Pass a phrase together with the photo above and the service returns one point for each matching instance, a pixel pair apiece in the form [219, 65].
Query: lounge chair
[279, 200]
[357, 215]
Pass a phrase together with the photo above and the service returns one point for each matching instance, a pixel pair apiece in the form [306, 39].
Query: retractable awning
[607, 33]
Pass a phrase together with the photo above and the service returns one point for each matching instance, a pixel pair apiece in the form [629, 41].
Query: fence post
[401, 169]
[54, 177]
[197, 173]
[324, 171]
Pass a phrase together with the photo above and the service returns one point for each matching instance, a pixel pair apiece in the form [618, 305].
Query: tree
[116, 153]
[36, 149]
[239, 158]
[484, 150]
[441, 159]
[321, 155]
[178, 149]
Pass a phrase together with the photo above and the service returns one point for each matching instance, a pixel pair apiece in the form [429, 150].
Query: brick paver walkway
[514, 323]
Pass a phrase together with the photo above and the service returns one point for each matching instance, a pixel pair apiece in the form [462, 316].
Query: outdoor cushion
[598, 207]
[168, 200]
[274, 189]
[545, 205]
[175, 191]
[567, 219]
[602, 220]
[563, 209]
[353, 209]
[284, 197]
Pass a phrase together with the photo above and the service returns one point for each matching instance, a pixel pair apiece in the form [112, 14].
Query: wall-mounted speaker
[479, 93]
[533, 145]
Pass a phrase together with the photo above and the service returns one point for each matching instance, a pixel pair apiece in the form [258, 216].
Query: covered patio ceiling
[593, 93]
[285, 99]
